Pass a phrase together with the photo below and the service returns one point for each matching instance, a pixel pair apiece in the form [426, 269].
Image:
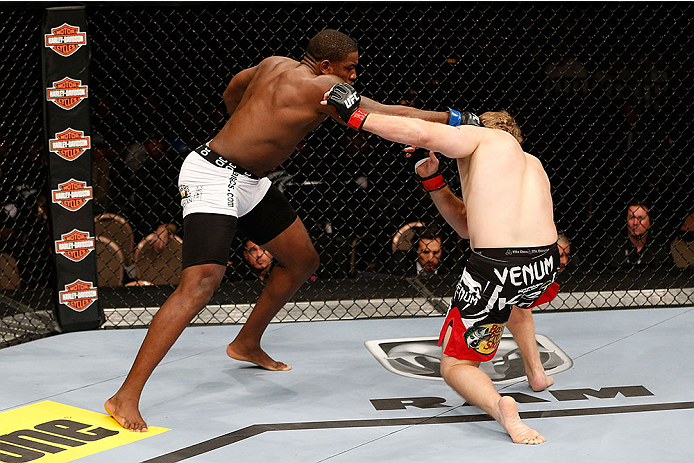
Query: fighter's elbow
[420, 136]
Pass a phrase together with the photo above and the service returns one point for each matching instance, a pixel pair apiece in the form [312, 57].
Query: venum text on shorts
[523, 275]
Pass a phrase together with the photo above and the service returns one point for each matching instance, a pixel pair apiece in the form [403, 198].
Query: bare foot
[540, 381]
[259, 357]
[511, 422]
[125, 412]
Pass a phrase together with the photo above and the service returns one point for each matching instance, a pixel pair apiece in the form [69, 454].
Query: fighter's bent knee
[202, 278]
[450, 364]
[446, 369]
[306, 261]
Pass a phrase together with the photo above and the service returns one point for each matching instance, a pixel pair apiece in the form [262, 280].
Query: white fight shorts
[207, 188]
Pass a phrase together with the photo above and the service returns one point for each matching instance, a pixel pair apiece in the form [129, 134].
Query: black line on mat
[254, 430]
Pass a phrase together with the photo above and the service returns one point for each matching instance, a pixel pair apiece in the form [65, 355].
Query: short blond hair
[502, 120]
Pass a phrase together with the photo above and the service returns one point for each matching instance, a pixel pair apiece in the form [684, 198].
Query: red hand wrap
[356, 120]
[434, 183]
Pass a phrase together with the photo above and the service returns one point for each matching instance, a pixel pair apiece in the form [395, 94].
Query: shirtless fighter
[223, 185]
[506, 213]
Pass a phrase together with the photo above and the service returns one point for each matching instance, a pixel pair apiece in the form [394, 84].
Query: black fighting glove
[346, 100]
[432, 182]
[456, 118]
[419, 156]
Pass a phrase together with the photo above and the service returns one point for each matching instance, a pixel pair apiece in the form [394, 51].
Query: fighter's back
[279, 106]
[507, 196]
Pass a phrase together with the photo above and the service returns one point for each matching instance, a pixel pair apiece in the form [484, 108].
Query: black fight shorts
[493, 281]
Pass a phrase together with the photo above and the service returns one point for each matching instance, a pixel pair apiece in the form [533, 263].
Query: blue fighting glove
[456, 118]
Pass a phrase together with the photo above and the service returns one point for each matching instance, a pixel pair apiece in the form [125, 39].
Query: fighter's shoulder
[497, 139]
[535, 163]
[325, 82]
[532, 158]
[264, 67]
[318, 85]
[274, 60]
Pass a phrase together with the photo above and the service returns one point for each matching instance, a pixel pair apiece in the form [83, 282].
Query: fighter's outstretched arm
[236, 88]
[372, 106]
[452, 142]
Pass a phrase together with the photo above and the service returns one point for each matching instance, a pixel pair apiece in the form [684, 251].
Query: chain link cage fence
[25, 242]
[602, 92]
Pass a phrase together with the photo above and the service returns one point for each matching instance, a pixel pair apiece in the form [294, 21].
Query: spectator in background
[259, 261]
[568, 260]
[161, 235]
[424, 256]
[569, 263]
[640, 248]
[564, 246]
[682, 247]
[429, 252]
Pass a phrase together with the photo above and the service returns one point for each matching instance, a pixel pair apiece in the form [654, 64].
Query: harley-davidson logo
[67, 93]
[69, 144]
[79, 295]
[75, 245]
[72, 195]
[65, 39]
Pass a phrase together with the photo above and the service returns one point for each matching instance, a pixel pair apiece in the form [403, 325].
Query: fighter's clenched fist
[346, 100]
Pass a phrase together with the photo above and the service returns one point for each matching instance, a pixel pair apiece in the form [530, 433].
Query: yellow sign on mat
[49, 432]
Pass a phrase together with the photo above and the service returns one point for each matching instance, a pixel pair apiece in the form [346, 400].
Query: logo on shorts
[67, 93]
[467, 290]
[188, 194]
[69, 144]
[484, 338]
[79, 295]
[65, 39]
[75, 245]
[72, 195]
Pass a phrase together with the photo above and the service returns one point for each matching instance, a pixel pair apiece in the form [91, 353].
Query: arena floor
[622, 393]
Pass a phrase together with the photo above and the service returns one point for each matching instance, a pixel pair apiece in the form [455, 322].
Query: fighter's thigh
[207, 238]
[271, 216]
[448, 360]
[293, 247]
[274, 224]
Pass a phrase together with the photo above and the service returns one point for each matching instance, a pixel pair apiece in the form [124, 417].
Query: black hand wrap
[432, 182]
[346, 100]
[419, 156]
